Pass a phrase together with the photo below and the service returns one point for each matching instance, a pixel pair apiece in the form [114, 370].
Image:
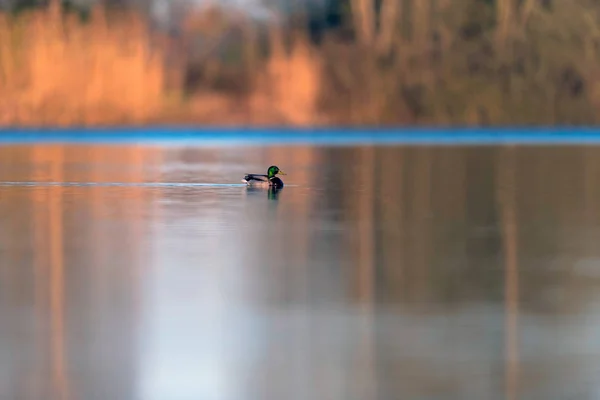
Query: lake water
[149, 272]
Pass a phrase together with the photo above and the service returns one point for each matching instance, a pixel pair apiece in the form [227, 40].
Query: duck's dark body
[276, 182]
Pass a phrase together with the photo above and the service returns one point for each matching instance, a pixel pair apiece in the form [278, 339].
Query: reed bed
[57, 69]
[388, 62]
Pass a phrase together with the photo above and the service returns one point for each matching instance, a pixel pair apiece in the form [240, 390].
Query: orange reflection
[57, 278]
[49, 236]
[507, 200]
[422, 224]
[49, 261]
[366, 246]
[366, 272]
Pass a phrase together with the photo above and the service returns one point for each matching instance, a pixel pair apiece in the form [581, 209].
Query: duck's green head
[274, 170]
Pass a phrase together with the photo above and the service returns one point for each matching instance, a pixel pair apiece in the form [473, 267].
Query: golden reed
[56, 69]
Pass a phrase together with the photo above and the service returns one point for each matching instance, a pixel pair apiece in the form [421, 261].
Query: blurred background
[299, 62]
[135, 265]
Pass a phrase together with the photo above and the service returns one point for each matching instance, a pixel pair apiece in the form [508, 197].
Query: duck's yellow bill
[281, 172]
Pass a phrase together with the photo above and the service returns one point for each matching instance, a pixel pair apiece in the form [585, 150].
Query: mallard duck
[270, 179]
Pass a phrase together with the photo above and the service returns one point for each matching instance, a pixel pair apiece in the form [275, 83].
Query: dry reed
[290, 83]
[56, 69]
[409, 61]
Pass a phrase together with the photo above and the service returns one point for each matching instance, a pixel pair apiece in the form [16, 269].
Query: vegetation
[472, 62]
[58, 69]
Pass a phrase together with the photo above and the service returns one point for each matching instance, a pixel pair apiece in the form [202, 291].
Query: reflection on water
[376, 273]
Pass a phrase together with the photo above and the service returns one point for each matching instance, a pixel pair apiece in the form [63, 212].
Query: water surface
[147, 272]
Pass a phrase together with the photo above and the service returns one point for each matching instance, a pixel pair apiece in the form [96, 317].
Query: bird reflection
[272, 192]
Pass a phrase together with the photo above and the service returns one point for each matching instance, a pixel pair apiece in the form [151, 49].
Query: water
[149, 272]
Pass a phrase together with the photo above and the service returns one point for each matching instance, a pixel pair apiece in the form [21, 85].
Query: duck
[271, 179]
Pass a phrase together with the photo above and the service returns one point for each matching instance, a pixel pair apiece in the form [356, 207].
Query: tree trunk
[363, 12]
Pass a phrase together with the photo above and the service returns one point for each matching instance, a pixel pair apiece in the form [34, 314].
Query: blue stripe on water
[303, 136]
